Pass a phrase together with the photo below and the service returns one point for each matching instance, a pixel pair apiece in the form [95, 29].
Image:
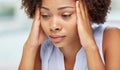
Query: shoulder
[111, 48]
[111, 37]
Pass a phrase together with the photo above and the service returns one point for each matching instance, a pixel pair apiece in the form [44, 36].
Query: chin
[59, 45]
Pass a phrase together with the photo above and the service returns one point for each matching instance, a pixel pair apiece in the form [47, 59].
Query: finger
[37, 17]
[36, 23]
[86, 16]
[85, 12]
[78, 12]
[37, 13]
[82, 19]
[82, 12]
[82, 9]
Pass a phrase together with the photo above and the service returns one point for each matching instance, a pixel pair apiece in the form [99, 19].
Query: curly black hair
[97, 9]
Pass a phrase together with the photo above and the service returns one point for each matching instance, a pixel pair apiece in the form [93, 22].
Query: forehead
[58, 3]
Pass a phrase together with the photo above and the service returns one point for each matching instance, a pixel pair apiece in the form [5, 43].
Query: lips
[57, 38]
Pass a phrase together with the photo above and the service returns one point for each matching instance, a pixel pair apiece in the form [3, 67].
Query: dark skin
[111, 45]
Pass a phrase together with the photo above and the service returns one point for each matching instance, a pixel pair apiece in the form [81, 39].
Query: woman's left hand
[84, 25]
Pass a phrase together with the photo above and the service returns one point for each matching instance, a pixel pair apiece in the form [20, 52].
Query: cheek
[73, 24]
[72, 27]
[73, 33]
[73, 21]
[44, 27]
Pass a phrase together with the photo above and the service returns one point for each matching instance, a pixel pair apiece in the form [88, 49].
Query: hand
[37, 35]
[31, 52]
[83, 25]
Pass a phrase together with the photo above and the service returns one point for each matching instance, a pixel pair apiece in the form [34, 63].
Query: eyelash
[65, 16]
[45, 16]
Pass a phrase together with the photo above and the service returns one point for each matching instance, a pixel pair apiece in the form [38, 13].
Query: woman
[62, 36]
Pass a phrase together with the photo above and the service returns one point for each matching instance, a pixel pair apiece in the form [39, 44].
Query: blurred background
[15, 27]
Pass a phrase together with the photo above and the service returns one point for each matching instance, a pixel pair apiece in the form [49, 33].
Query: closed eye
[45, 16]
[66, 15]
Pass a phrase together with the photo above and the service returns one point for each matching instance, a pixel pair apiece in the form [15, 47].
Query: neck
[71, 51]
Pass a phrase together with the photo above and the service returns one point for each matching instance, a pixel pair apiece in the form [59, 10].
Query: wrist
[31, 45]
[31, 49]
[28, 58]
[91, 47]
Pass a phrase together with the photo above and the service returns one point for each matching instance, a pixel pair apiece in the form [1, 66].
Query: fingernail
[77, 1]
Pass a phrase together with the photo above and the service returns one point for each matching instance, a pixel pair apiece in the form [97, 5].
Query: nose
[55, 25]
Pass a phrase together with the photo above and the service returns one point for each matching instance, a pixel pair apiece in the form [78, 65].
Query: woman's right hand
[31, 52]
[37, 35]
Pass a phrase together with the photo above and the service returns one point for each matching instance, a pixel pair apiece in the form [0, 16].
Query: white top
[53, 59]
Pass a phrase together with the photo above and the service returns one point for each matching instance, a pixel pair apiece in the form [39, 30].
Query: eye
[45, 16]
[66, 15]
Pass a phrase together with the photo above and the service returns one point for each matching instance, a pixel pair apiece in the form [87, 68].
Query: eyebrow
[58, 8]
[65, 7]
[45, 8]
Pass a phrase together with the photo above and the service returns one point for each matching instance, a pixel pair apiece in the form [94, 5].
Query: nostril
[57, 29]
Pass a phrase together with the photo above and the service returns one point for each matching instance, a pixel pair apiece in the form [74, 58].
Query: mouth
[57, 38]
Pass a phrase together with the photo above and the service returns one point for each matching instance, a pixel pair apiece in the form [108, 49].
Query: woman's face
[58, 21]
